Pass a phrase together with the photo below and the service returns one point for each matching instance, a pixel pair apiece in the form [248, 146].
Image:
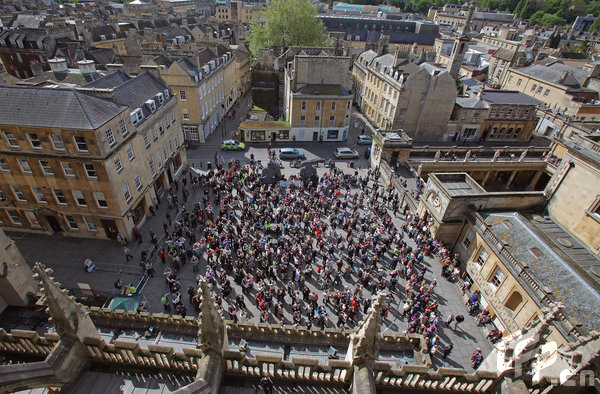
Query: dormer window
[102, 37]
[137, 116]
[166, 93]
[151, 105]
[160, 97]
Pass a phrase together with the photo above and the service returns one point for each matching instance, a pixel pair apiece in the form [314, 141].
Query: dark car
[291, 154]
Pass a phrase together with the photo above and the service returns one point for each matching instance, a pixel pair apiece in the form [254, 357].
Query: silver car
[346, 153]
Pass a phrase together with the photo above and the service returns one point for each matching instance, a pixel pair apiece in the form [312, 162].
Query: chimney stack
[58, 64]
[86, 66]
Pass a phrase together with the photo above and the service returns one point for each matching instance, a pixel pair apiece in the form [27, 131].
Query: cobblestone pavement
[66, 256]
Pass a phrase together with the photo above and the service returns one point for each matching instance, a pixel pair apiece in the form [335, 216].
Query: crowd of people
[305, 253]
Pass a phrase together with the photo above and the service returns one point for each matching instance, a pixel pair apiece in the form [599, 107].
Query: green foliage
[294, 20]
[423, 6]
[580, 48]
[544, 19]
[593, 8]
[536, 18]
[596, 25]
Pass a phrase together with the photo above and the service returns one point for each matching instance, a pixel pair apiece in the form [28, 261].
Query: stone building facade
[506, 252]
[206, 92]
[96, 172]
[574, 191]
[400, 95]
[318, 102]
[561, 87]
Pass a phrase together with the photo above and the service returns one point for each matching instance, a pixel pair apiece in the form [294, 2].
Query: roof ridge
[76, 93]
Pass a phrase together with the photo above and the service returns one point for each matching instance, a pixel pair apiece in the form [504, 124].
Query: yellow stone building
[395, 94]
[95, 172]
[520, 262]
[206, 91]
[317, 98]
[562, 88]
[238, 11]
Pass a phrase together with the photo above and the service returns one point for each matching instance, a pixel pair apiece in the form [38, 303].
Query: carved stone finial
[69, 317]
[365, 340]
[212, 333]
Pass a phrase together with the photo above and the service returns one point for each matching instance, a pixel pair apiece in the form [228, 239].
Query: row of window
[260, 135]
[16, 220]
[206, 88]
[58, 194]
[502, 112]
[498, 275]
[539, 89]
[36, 142]
[47, 169]
[317, 120]
[303, 105]
[505, 133]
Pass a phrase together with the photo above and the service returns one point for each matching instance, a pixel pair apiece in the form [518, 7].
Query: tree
[536, 19]
[293, 20]
[552, 20]
[423, 6]
[595, 26]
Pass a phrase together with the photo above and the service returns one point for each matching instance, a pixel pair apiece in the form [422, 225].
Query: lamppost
[223, 126]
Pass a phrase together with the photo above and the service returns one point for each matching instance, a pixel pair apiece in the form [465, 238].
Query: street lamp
[223, 123]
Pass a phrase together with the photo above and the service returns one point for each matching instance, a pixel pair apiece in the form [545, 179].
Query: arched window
[516, 133]
[501, 133]
[514, 301]
[493, 133]
[509, 133]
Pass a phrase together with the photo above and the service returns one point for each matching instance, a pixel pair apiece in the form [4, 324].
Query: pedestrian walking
[128, 255]
[458, 319]
[449, 320]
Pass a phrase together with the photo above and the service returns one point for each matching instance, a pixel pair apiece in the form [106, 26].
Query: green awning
[126, 303]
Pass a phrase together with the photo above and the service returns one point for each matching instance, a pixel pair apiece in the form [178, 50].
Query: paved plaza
[66, 256]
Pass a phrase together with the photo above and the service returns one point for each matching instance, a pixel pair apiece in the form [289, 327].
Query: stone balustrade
[127, 354]
[131, 354]
[424, 378]
[300, 369]
[27, 343]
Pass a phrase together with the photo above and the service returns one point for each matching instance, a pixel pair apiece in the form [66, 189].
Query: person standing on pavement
[137, 234]
[165, 301]
[267, 384]
[149, 268]
[128, 255]
[458, 319]
[446, 350]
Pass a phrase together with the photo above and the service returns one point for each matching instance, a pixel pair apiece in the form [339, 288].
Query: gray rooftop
[508, 97]
[471, 102]
[324, 89]
[580, 300]
[554, 73]
[132, 92]
[57, 108]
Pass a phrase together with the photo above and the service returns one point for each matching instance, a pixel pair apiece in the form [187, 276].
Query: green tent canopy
[126, 303]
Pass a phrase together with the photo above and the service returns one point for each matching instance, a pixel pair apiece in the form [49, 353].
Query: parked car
[232, 145]
[364, 140]
[291, 154]
[346, 153]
